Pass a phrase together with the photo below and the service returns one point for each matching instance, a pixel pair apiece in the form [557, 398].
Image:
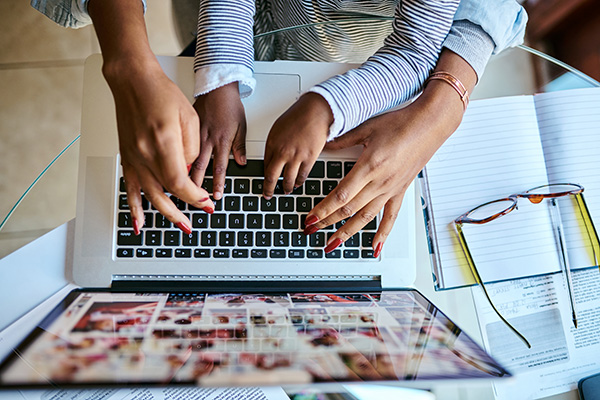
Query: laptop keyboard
[244, 225]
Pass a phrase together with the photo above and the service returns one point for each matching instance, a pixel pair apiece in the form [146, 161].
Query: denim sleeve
[67, 13]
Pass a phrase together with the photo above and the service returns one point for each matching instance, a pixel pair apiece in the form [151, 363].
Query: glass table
[509, 73]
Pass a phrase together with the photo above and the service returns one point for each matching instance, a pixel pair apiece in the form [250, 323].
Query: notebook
[233, 321]
[106, 252]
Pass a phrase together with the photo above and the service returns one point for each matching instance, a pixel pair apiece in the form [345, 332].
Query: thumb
[356, 136]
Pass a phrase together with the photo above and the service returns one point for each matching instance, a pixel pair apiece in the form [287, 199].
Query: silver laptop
[230, 246]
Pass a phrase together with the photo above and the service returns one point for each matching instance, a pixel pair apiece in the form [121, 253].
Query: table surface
[498, 80]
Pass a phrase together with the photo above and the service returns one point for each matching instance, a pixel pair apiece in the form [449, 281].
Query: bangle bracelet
[454, 82]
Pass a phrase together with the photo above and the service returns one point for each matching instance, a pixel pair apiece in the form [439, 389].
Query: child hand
[222, 130]
[295, 141]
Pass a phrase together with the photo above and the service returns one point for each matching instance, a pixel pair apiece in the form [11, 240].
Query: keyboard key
[334, 169]
[245, 239]
[281, 239]
[178, 203]
[148, 220]
[236, 221]
[208, 238]
[303, 204]
[351, 254]
[299, 239]
[190, 240]
[272, 221]
[161, 222]
[124, 220]
[312, 187]
[297, 191]
[286, 203]
[250, 203]
[253, 168]
[221, 253]
[124, 253]
[207, 184]
[171, 238]
[334, 254]
[123, 202]
[348, 166]
[217, 221]
[183, 253]
[318, 170]
[122, 184]
[199, 220]
[372, 225]
[268, 205]
[218, 204]
[367, 239]
[314, 253]
[257, 186]
[295, 253]
[328, 186]
[277, 253]
[258, 253]
[143, 253]
[227, 187]
[164, 253]
[317, 239]
[353, 241]
[254, 221]
[201, 253]
[317, 200]
[339, 224]
[240, 253]
[263, 239]
[290, 221]
[367, 253]
[226, 239]
[241, 186]
[232, 203]
[153, 238]
[128, 238]
[278, 187]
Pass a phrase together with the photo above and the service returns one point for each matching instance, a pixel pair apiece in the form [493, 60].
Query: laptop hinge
[245, 284]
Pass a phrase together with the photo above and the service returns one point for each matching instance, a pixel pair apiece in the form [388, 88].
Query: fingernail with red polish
[333, 245]
[189, 168]
[309, 230]
[208, 210]
[311, 219]
[378, 250]
[202, 200]
[136, 227]
[186, 229]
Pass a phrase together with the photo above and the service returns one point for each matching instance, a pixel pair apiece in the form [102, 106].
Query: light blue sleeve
[67, 13]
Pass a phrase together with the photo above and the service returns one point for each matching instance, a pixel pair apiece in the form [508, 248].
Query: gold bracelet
[454, 82]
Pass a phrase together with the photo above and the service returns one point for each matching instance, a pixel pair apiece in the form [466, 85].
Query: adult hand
[222, 130]
[295, 141]
[158, 138]
[396, 146]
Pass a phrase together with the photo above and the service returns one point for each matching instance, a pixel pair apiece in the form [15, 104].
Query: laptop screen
[211, 339]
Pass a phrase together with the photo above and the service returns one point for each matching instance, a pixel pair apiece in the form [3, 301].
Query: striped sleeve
[396, 72]
[224, 49]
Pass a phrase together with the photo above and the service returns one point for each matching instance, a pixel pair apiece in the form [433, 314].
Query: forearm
[121, 32]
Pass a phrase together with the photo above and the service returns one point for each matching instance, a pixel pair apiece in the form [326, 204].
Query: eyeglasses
[492, 210]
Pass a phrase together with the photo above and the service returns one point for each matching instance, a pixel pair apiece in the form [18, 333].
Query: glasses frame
[536, 198]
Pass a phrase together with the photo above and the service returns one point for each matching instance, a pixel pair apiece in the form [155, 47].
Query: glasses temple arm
[479, 281]
[589, 226]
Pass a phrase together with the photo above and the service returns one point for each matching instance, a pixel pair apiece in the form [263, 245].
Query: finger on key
[289, 177]
[303, 172]
[134, 198]
[220, 161]
[238, 147]
[272, 174]
[201, 163]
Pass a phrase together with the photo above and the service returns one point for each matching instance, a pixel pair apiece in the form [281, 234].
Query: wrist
[128, 68]
[318, 107]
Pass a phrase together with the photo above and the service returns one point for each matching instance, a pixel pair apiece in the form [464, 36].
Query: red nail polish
[208, 210]
[309, 230]
[202, 200]
[378, 250]
[186, 229]
[333, 245]
[189, 168]
[136, 227]
[311, 219]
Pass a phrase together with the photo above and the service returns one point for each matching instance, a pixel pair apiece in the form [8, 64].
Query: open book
[506, 146]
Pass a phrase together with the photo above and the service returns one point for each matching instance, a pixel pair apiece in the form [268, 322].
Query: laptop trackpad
[274, 94]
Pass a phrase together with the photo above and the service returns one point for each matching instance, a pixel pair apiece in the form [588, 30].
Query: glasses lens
[537, 194]
[491, 210]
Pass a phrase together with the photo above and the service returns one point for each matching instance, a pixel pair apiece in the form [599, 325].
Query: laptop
[228, 309]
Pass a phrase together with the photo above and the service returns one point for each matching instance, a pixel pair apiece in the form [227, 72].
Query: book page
[569, 124]
[495, 152]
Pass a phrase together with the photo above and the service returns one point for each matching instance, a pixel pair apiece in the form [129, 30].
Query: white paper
[539, 308]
